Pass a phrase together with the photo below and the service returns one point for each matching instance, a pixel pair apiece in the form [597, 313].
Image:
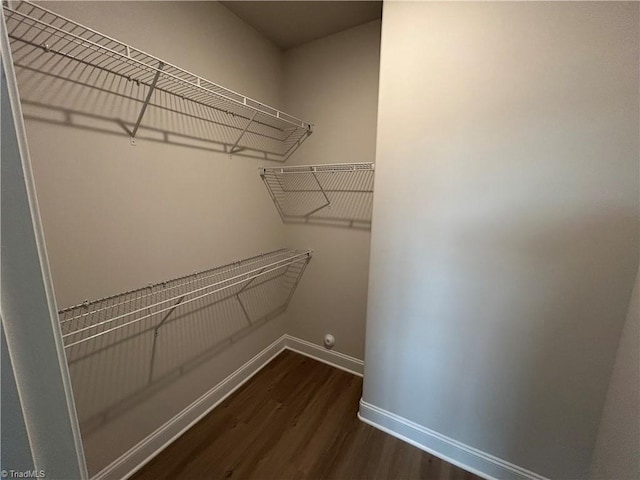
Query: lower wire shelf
[261, 285]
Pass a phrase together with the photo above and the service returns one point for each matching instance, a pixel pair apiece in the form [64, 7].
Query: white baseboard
[142, 453]
[335, 359]
[482, 464]
[134, 459]
[457, 453]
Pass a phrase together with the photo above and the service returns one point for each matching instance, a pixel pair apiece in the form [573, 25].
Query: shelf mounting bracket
[164, 319]
[146, 102]
[235, 145]
[324, 194]
[155, 337]
[244, 310]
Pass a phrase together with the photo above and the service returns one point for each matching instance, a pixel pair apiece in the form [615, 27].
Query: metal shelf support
[147, 99]
[164, 319]
[235, 145]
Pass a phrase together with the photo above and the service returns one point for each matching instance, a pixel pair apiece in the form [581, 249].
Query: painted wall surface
[334, 81]
[118, 217]
[159, 210]
[505, 226]
[617, 451]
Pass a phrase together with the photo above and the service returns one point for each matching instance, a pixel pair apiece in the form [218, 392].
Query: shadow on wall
[61, 91]
[123, 348]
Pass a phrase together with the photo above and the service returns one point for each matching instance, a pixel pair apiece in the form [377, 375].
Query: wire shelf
[47, 43]
[151, 306]
[340, 193]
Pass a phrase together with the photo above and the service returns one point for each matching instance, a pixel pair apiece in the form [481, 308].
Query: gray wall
[118, 217]
[152, 212]
[617, 451]
[505, 229]
[334, 82]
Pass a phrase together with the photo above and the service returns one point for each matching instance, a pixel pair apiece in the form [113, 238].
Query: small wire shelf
[341, 193]
[44, 42]
[150, 307]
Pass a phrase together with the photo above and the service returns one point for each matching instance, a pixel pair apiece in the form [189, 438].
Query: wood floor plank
[295, 419]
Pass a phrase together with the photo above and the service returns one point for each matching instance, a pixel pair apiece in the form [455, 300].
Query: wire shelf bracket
[235, 145]
[37, 35]
[332, 193]
[146, 101]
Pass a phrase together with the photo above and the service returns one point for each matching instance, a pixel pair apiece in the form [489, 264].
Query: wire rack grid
[332, 192]
[151, 306]
[44, 41]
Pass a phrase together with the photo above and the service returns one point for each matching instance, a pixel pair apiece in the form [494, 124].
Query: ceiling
[292, 23]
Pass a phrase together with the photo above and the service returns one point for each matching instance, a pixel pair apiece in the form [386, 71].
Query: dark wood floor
[296, 419]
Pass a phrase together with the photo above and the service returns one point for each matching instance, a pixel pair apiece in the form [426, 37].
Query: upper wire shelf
[44, 41]
[332, 193]
[151, 306]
